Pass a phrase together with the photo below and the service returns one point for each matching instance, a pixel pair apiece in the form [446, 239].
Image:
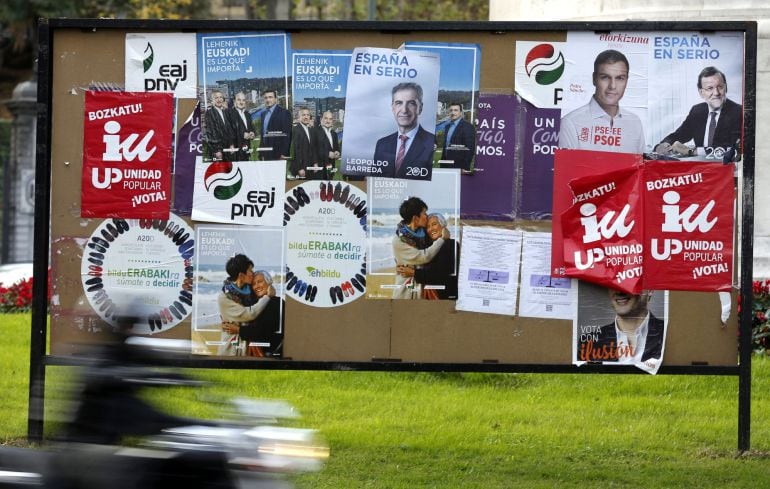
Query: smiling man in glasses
[714, 123]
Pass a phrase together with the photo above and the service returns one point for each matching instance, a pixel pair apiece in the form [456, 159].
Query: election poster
[390, 118]
[605, 107]
[457, 96]
[489, 270]
[162, 62]
[617, 328]
[490, 193]
[413, 237]
[540, 141]
[326, 234]
[540, 79]
[569, 165]
[540, 73]
[692, 75]
[319, 86]
[244, 85]
[137, 274]
[239, 306]
[543, 296]
[658, 225]
[127, 139]
[603, 230]
[245, 192]
[320, 83]
[689, 219]
[186, 151]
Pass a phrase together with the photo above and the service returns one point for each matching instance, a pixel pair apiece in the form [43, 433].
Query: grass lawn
[408, 430]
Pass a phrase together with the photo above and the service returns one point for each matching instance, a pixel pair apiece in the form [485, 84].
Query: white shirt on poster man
[590, 127]
[602, 124]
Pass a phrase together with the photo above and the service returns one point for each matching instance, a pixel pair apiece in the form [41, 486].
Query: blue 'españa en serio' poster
[390, 114]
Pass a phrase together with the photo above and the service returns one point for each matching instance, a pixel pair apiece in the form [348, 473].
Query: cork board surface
[410, 331]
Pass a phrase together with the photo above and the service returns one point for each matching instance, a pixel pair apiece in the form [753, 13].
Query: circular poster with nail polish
[326, 243]
[138, 273]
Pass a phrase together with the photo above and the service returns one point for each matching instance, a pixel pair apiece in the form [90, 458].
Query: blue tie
[267, 121]
[449, 133]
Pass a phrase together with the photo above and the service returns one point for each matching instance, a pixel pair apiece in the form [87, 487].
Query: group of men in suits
[229, 131]
[310, 151]
[316, 149]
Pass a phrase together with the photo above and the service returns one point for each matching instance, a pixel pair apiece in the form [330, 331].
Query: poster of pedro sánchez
[390, 114]
[616, 328]
[677, 94]
[243, 86]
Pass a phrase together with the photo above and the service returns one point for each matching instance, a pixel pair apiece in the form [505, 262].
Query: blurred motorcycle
[249, 450]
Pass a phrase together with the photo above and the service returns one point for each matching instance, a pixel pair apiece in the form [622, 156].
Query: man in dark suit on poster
[714, 123]
[217, 130]
[408, 151]
[459, 140]
[303, 155]
[327, 146]
[241, 127]
[276, 129]
[635, 336]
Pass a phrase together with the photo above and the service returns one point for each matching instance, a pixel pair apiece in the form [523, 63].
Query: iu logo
[127, 149]
[675, 221]
[608, 226]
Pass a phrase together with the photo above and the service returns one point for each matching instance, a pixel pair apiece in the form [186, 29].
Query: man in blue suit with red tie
[408, 151]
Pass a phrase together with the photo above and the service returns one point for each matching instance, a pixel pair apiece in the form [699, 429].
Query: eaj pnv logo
[545, 64]
[223, 180]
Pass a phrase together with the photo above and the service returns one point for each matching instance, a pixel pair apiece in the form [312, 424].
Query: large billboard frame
[48, 29]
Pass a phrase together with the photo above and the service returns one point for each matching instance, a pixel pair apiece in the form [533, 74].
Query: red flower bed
[17, 297]
[760, 309]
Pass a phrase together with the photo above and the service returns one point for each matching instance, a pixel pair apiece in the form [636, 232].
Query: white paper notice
[489, 270]
[543, 296]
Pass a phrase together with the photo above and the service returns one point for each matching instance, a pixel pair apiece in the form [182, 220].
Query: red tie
[401, 151]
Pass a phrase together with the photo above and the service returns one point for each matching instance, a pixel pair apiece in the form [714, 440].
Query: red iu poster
[603, 231]
[127, 155]
[688, 226]
[570, 164]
